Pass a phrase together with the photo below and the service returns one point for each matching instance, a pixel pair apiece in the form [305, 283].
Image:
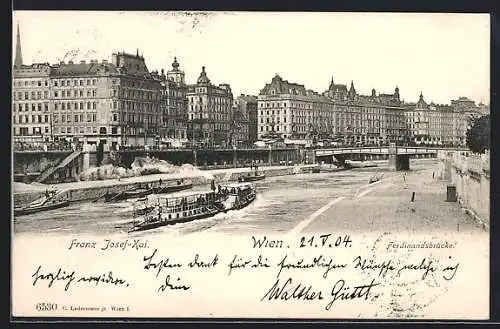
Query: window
[55, 83]
[76, 117]
[46, 130]
[55, 94]
[94, 106]
[81, 106]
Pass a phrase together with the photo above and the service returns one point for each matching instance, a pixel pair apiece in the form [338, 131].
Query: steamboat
[179, 208]
[236, 196]
[190, 206]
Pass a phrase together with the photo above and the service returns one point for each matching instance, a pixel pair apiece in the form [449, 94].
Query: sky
[444, 56]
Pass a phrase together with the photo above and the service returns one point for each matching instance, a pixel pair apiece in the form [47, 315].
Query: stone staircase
[50, 171]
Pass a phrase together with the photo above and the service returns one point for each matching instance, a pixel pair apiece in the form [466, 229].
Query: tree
[478, 134]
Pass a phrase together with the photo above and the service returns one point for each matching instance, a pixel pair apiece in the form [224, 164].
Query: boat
[251, 177]
[375, 178]
[359, 164]
[143, 206]
[140, 192]
[181, 185]
[136, 192]
[236, 196]
[179, 208]
[45, 203]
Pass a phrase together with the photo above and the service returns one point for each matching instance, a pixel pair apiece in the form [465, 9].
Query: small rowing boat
[45, 203]
[251, 177]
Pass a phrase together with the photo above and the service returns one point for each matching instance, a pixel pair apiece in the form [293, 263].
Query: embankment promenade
[90, 190]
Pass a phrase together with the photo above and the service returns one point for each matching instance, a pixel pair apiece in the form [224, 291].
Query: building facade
[174, 105]
[31, 104]
[117, 103]
[367, 119]
[209, 112]
[247, 107]
[435, 124]
[339, 114]
[31, 100]
[291, 111]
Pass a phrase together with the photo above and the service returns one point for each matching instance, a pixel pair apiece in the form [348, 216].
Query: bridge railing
[383, 150]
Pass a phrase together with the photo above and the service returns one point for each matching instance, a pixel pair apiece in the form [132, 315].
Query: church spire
[18, 62]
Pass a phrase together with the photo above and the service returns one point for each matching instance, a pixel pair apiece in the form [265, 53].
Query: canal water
[282, 202]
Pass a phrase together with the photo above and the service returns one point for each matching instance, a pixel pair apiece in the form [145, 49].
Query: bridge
[398, 156]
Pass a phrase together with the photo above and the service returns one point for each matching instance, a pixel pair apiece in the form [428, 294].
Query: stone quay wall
[87, 191]
[470, 173]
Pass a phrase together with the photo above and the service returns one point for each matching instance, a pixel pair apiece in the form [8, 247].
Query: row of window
[75, 82]
[28, 131]
[34, 95]
[76, 106]
[33, 106]
[75, 93]
[126, 93]
[89, 117]
[33, 83]
[215, 101]
[31, 118]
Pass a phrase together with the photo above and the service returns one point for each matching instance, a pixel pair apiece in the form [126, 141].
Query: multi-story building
[372, 119]
[341, 114]
[83, 101]
[31, 100]
[174, 102]
[115, 103]
[435, 124]
[209, 112]
[292, 112]
[463, 104]
[247, 106]
[138, 98]
[239, 133]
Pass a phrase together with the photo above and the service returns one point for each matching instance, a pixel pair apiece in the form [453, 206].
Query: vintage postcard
[250, 165]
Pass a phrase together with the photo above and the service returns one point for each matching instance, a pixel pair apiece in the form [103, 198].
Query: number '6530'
[41, 307]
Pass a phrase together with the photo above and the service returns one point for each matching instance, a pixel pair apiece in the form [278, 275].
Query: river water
[282, 202]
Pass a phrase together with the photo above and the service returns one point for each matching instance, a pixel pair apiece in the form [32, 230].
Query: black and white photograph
[280, 165]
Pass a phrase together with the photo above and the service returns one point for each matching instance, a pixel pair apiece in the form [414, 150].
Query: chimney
[70, 62]
[82, 62]
[104, 61]
[62, 63]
